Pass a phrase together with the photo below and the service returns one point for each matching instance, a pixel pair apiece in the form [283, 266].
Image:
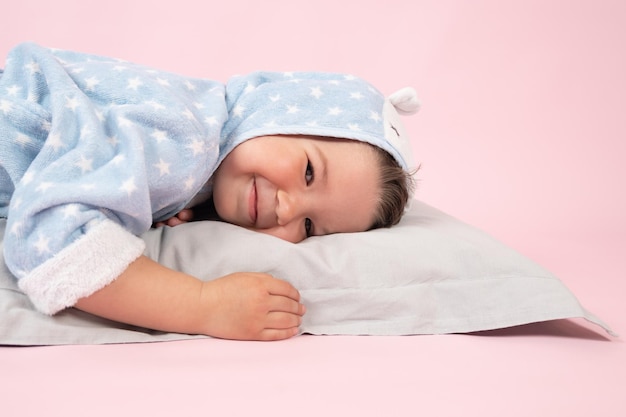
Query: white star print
[211, 120]
[71, 103]
[375, 116]
[129, 186]
[155, 105]
[134, 83]
[119, 68]
[44, 186]
[353, 126]
[190, 86]
[88, 187]
[249, 88]
[71, 210]
[113, 141]
[159, 135]
[349, 77]
[5, 106]
[15, 229]
[356, 96]
[188, 114]
[316, 92]
[275, 98]
[17, 203]
[164, 167]
[24, 140]
[238, 110]
[163, 82]
[85, 164]
[124, 122]
[117, 159]
[292, 109]
[85, 132]
[42, 244]
[198, 105]
[312, 123]
[189, 183]
[13, 90]
[271, 123]
[334, 111]
[92, 82]
[54, 140]
[33, 67]
[288, 74]
[197, 146]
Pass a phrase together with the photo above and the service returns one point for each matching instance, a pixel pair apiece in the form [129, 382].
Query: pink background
[522, 133]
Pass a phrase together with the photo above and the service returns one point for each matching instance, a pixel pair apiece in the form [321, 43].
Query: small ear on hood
[405, 101]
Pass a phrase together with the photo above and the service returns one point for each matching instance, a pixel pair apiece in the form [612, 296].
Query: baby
[94, 150]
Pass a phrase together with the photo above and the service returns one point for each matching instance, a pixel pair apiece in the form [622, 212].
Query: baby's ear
[402, 102]
[405, 101]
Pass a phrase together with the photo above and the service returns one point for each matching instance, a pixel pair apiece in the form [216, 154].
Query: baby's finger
[280, 320]
[174, 221]
[279, 287]
[284, 304]
[185, 215]
[277, 334]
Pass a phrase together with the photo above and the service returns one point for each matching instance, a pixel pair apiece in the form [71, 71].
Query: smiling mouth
[252, 203]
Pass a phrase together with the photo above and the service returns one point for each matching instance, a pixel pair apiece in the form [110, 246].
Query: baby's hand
[252, 306]
[183, 216]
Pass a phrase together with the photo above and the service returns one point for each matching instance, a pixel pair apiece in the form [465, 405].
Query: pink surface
[521, 134]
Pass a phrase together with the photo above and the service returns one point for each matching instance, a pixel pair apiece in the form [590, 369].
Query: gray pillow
[431, 274]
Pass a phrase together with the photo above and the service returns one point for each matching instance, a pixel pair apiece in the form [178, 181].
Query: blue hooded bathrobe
[94, 150]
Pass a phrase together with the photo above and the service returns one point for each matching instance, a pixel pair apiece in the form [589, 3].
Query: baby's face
[295, 187]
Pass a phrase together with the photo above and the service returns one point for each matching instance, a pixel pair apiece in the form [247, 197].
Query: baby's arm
[245, 306]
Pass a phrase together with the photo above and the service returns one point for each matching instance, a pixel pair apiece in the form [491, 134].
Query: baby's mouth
[252, 203]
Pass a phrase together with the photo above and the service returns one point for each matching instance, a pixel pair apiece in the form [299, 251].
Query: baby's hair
[396, 187]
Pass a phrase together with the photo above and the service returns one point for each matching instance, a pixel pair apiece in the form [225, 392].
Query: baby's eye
[308, 175]
[308, 227]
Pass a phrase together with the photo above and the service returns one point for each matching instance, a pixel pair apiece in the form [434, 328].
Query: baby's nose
[288, 208]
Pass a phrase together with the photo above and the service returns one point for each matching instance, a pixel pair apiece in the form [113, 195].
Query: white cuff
[82, 268]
